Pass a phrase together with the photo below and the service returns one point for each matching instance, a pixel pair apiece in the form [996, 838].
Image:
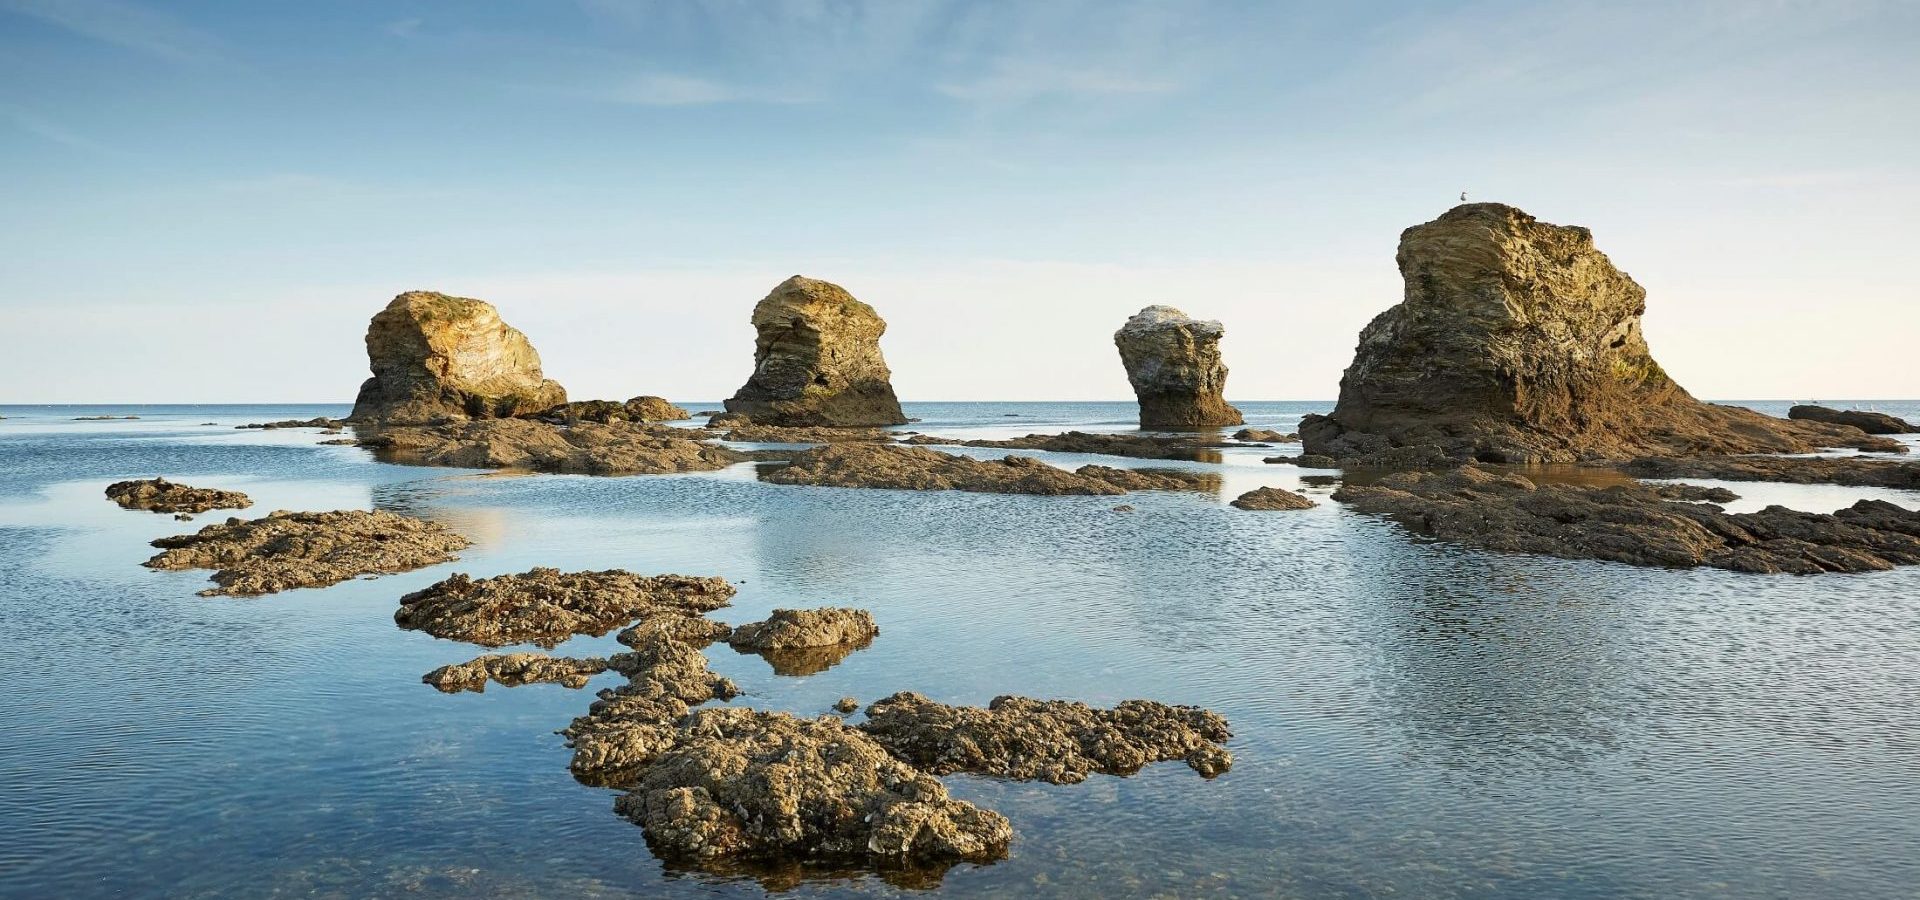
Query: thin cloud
[47, 129]
[123, 24]
[662, 89]
[1013, 82]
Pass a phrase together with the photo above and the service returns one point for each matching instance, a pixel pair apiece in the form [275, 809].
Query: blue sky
[206, 201]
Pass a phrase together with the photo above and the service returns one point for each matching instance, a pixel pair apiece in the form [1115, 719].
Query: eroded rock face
[747, 783]
[917, 469]
[545, 607]
[1845, 470]
[513, 670]
[1174, 365]
[1059, 741]
[816, 360]
[1518, 341]
[1638, 524]
[1268, 498]
[163, 496]
[1869, 422]
[587, 448]
[306, 549]
[436, 357]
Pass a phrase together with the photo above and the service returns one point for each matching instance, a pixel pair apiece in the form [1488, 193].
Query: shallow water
[1410, 718]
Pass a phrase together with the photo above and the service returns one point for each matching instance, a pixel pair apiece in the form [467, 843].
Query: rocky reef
[816, 360]
[629, 726]
[437, 358]
[545, 607]
[514, 670]
[1269, 498]
[1869, 422]
[1638, 524]
[646, 408]
[804, 434]
[1265, 436]
[306, 549]
[1519, 341]
[1173, 363]
[163, 496]
[1136, 446]
[1058, 741]
[619, 448]
[319, 422]
[919, 469]
[806, 641]
[1851, 471]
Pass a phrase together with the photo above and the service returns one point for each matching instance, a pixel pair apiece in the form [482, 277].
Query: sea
[1410, 718]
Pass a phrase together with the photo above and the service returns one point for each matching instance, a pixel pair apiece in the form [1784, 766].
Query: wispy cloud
[125, 24]
[1012, 81]
[47, 129]
[665, 89]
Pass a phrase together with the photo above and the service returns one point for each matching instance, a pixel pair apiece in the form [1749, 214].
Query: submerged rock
[1637, 524]
[321, 422]
[514, 670]
[436, 357]
[1265, 436]
[1174, 365]
[816, 360]
[307, 549]
[917, 469]
[1137, 446]
[1059, 741]
[545, 607]
[163, 496]
[1518, 341]
[1869, 422]
[1843, 470]
[748, 783]
[638, 409]
[621, 448]
[1266, 498]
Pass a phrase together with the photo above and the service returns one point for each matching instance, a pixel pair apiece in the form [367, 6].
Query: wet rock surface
[435, 357]
[1058, 741]
[786, 629]
[1637, 524]
[306, 549]
[1869, 422]
[1305, 461]
[622, 448]
[1267, 498]
[1842, 470]
[1153, 479]
[514, 670]
[1265, 436]
[1173, 363]
[628, 726]
[545, 607]
[163, 496]
[604, 412]
[745, 783]
[918, 469]
[1519, 341]
[817, 361]
[1137, 446]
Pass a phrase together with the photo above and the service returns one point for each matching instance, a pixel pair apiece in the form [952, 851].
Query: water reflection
[801, 661]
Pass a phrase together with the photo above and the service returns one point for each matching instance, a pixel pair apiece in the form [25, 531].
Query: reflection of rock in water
[798, 661]
[780, 875]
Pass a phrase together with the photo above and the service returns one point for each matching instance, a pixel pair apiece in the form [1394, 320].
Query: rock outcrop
[620, 448]
[639, 409]
[1137, 446]
[306, 549]
[1869, 422]
[816, 360]
[436, 357]
[806, 641]
[629, 726]
[1265, 436]
[1272, 498]
[918, 469]
[547, 606]
[1851, 471]
[1518, 341]
[1638, 524]
[1174, 365]
[514, 670]
[163, 496]
[1058, 741]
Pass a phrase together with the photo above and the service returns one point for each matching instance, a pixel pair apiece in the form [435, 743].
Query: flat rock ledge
[1637, 524]
[1137, 446]
[1869, 422]
[545, 607]
[306, 549]
[588, 448]
[1268, 498]
[514, 670]
[1057, 741]
[163, 496]
[1843, 470]
[918, 469]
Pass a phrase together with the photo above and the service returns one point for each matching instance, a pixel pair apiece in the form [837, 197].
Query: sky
[206, 201]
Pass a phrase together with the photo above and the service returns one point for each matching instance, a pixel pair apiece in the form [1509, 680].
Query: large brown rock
[1174, 365]
[1519, 341]
[436, 357]
[816, 360]
[1865, 420]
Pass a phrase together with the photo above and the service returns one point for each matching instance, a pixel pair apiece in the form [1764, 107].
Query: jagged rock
[1635, 524]
[437, 358]
[695, 631]
[638, 409]
[321, 422]
[748, 783]
[1267, 498]
[629, 726]
[306, 549]
[806, 641]
[1869, 422]
[1305, 461]
[846, 705]
[621, 448]
[514, 670]
[917, 469]
[547, 606]
[1844, 470]
[1137, 446]
[1174, 365]
[1058, 741]
[1265, 436]
[163, 496]
[1518, 341]
[816, 360]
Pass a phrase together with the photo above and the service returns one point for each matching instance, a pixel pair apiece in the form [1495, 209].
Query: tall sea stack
[436, 357]
[816, 361]
[1518, 341]
[1174, 365]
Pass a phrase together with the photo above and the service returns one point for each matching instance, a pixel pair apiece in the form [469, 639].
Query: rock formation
[1271, 498]
[1174, 364]
[1518, 341]
[816, 360]
[629, 726]
[587, 448]
[547, 606]
[646, 408]
[1869, 422]
[1847, 470]
[436, 357]
[163, 496]
[1265, 436]
[806, 641]
[306, 549]
[514, 670]
[918, 469]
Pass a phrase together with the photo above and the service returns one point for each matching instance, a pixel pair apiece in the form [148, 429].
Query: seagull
[1463, 196]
